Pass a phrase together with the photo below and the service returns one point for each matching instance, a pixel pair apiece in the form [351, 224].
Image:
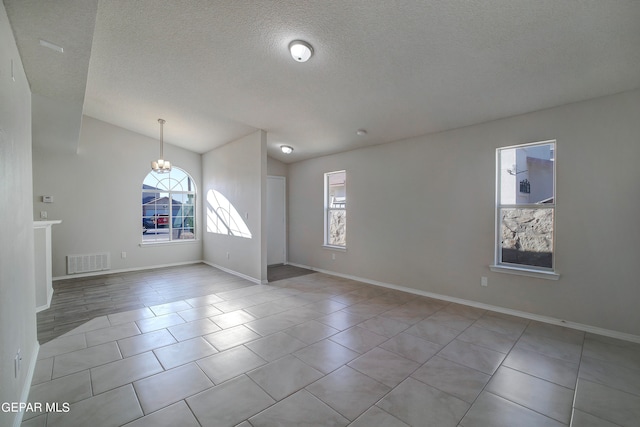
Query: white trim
[127, 270]
[529, 144]
[168, 242]
[48, 304]
[335, 248]
[531, 316]
[236, 273]
[519, 271]
[44, 224]
[26, 388]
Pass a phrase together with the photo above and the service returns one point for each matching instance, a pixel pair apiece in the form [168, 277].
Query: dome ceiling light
[300, 50]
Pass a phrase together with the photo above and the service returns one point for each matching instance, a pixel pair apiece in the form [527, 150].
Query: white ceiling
[219, 70]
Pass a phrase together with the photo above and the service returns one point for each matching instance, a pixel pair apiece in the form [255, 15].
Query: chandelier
[161, 165]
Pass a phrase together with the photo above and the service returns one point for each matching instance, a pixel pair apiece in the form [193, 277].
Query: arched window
[168, 206]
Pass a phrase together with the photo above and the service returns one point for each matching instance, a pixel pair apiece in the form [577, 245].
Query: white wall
[97, 194]
[238, 171]
[275, 167]
[421, 213]
[17, 283]
[56, 123]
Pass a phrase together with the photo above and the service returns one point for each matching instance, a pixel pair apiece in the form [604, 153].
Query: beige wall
[97, 195]
[238, 171]
[421, 213]
[17, 283]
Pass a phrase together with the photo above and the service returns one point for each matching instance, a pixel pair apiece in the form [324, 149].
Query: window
[525, 208]
[335, 209]
[168, 206]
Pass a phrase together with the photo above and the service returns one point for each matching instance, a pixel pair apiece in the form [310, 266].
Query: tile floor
[318, 350]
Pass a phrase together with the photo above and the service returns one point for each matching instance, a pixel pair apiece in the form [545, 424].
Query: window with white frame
[335, 209]
[525, 207]
[168, 206]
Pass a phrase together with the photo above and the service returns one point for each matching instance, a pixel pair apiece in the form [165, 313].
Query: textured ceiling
[218, 70]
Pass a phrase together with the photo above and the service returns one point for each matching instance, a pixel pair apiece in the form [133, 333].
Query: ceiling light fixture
[300, 50]
[286, 149]
[161, 165]
[361, 132]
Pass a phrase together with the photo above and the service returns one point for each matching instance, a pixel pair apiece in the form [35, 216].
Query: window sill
[548, 275]
[335, 248]
[168, 242]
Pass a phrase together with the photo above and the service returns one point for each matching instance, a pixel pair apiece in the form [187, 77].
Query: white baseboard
[26, 387]
[126, 270]
[531, 316]
[49, 298]
[236, 273]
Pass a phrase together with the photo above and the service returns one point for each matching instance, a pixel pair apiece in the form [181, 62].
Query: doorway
[276, 220]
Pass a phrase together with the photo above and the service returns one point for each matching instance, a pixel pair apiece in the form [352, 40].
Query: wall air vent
[88, 263]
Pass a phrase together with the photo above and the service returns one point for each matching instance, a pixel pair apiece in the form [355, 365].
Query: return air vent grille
[88, 263]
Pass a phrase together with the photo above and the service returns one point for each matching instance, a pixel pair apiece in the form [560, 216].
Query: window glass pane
[187, 207]
[526, 236]
[179, 198]
[526, 174]
[177, 176]
[148, 226]
[164, 182]
[337, 190]
[182, 233]
[148, 196]
[188, 222]
[157, 181]
[337, 227]
[150, 181]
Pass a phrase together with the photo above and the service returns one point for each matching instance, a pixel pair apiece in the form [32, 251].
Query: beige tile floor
[326, 351]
